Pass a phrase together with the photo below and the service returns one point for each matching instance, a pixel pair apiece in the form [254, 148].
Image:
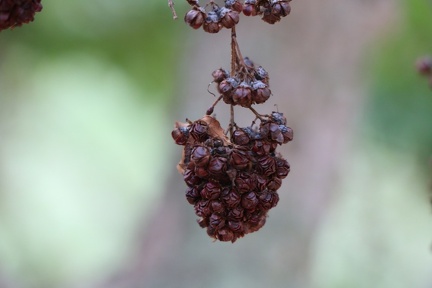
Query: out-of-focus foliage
[400, 106]
[82, 140]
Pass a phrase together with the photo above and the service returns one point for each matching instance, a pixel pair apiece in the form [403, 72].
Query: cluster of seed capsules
[232, 183]
[14, 13]
[247, 87]
[228, 15]
[424, 67]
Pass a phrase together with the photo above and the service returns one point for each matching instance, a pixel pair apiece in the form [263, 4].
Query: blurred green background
[89, 93]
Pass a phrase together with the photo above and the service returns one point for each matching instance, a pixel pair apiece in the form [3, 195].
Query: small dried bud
[287, 133]
[217, 206]
[278, 118]
[240, 137]
[242, 95]
[212, 23]
[236, 213]
[261, 148]
[266, 165]
[282, 168]
[195, 17]
[261, 92]
[202, 208]
[269, 17]
[193, 2]
[227, 85]
[239, 159]
[216, 221]
[249, 8]
[217, 166]
[225, 235]
[261, 74]
[230, 197]
[180, 135]
[201, 172]
[219, 75]
[249, 201]
[280, 8]
[249, 63]
[229, 18]
[256, 221]
[211, 191]
[192, 195]
[190, 178]
[236, 226]
[199, 131]
[200, 156]
[245, 182]
[261, 181]
[235, 5]
[274, 183]
[272, 132]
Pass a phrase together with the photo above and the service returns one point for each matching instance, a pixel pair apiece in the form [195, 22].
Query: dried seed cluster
[248, 86]
[227, 16]
[424, 67]
[232, 184]
[16, 12]
[233, 176]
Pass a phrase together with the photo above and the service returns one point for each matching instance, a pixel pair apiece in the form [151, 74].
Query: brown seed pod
[217, 166]
[266, 165]
[199, 131]
[190, 178]
[192, 195]
[274, 183]
[200, 155]
[262, 75]
[260, 147]
[249, 201]
[236, 213]
[202, 208]
[217, 206]
[282, 168]
[242, 95]
[269, 17]
[287, 133]
[216, 221]
[239, 159]
[256, 221]
[236, 226]
[225, 234]
[250, 8]
[212, 22]
[211, 190]
[219, 75]
[245, 182]
[230, 197]
[235, 5]
[240, 137]
[195, 17]
[261, 92]
[229, 18]
[280, 8]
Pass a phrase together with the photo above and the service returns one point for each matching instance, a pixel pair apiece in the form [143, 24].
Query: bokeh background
[89, 193]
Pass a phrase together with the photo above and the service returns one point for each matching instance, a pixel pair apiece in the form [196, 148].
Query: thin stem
[231, 126]
[171, 5]
[233, 51]
[211, 109]
[259, 116]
